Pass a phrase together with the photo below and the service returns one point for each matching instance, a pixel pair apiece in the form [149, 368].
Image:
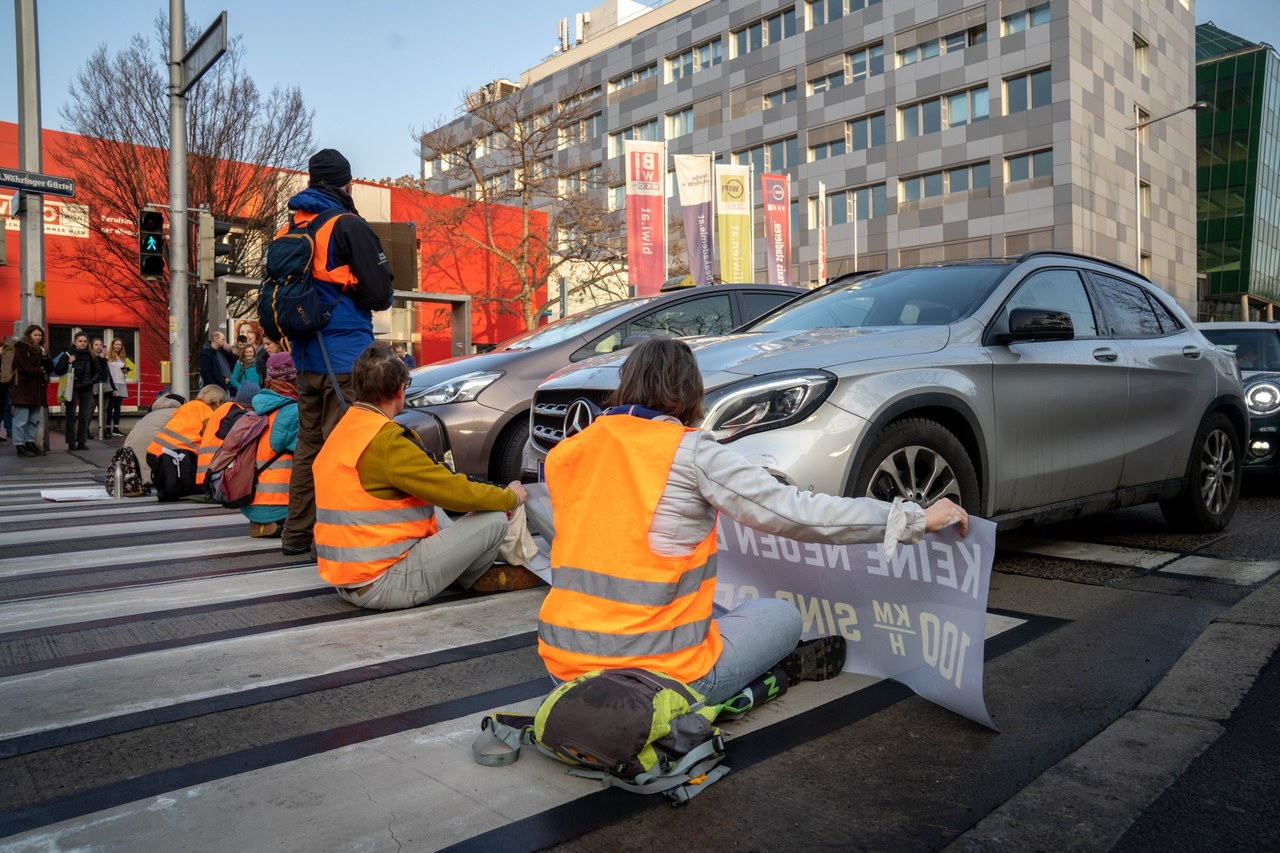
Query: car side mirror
[1037, 324]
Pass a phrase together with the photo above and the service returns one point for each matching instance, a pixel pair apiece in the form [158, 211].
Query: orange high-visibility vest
[183, 430]
[358, 536]
[273, 480]
[614, 602]
[341, 275]
[209, 441]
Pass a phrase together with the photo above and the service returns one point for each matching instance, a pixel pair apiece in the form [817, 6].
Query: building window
[827, 82]
[1144, 198]
[776, 156]
[825, 11]
[962, 179]
[867, 62]
[694, 60]
[867, 132]
[1028, 91]
[1139, 54]
[946, 44]
[1024, 20]
[954, 110]
[679, 123]
[1029, 167]
[973, 178]
[645, 131]
[1143, 117]
[843, 205]
[582, 131]
[764, 32]
[779, 97]
[618, 197]
[588, 179]
[823, 150]
[633, 77]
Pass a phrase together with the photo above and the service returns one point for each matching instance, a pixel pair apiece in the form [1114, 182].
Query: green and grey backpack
[633, 729]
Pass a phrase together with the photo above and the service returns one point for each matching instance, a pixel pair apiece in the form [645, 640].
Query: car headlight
[765, 402]
[460, 389]
[1262, 398]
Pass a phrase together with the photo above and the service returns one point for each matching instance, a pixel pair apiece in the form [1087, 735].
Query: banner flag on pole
[822, 233]
[733, 218]
[646, 215]
[693, 180]
[777, 226]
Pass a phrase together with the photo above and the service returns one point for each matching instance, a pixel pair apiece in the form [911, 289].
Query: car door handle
[1105, 354]
[1191, 351]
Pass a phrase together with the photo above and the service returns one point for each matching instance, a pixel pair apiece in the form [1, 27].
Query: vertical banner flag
[646, 164]
[822, 233]
[777, 226]
[733, 219]
[918, 616]
[693, 178]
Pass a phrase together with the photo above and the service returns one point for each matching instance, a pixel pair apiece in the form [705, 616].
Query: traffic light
[150, 243]
[211, 234]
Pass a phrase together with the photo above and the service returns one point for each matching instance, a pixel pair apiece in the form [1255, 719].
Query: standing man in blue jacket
[356, 274]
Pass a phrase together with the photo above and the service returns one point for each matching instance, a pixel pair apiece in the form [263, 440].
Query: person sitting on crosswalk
[220, 423]
[172, 455]
[377, 537]
[278, 402]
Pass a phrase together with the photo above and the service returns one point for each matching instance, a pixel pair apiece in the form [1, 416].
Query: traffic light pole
[31, 306]
[179, 315]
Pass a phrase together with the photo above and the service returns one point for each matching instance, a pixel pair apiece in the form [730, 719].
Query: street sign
[19, 179]
[206, 51]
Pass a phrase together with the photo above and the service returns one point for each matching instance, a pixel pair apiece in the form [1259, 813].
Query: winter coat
[144, 431]
[241, 375]
[215, 367]
[31, 369]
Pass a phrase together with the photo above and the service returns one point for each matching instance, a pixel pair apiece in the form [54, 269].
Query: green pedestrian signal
[150, 243]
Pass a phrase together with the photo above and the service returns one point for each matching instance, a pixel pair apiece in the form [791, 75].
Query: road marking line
[12, 567]
[57, 610]
[1238, 572]
[1084, 551]
[123, 528]
[115, 508]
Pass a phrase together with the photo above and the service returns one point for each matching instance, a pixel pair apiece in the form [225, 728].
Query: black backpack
[125, 470]
[173, 473]
[289, 303]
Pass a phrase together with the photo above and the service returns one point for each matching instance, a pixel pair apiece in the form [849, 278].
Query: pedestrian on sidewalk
[216, 362]
[377, 537]
[634, 501]
[122, 371]
[7, 379]
[246, 369]
[79, 368]
[31, 369]
[278, 402]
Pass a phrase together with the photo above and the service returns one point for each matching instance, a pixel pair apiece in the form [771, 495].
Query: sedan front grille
[549, 408]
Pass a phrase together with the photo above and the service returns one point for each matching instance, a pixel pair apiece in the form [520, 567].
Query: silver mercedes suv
[1027, 389]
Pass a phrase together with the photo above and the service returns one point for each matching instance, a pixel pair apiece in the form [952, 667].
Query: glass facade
[1238, 173]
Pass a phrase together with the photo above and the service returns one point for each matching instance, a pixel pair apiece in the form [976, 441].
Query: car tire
[918, 460]
[1213, 480]
[510, 451]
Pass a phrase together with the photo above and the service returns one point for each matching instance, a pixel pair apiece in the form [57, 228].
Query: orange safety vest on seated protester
[183, 430]
[209, 441]
[273, 480]
[613, 602]
[358, 536]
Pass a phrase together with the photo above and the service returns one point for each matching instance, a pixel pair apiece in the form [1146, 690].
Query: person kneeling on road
[634, 499]
[376, 536]
[278, 402]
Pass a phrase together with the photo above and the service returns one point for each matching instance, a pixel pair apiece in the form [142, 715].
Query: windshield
[582, 323]
[1254, 349]
[925, 296]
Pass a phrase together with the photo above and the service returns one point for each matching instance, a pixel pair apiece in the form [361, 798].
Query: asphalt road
[166, 684]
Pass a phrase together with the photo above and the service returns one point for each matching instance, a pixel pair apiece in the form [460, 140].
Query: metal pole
[179, 321]
[31, 307]
[564, 298]
[1137, 183]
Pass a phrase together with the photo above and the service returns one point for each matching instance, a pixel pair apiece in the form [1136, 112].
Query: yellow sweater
[394, 465]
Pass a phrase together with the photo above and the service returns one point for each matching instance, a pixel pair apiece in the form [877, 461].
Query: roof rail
[1038, 252]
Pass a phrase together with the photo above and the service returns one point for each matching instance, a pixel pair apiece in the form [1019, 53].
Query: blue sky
[386, 66]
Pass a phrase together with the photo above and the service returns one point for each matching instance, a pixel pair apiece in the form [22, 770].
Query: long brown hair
[111, 350]
[662, 374]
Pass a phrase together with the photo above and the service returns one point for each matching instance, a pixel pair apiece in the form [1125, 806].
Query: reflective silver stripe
[280, 464]
[173, 436]
[276, 488]
[623, 645]
[202, 469]
[630, 590]
[394, 551]
[366, 517]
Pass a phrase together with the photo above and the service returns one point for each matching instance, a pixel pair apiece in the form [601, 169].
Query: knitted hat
[329, 167]
[280, 368]
[246, 392]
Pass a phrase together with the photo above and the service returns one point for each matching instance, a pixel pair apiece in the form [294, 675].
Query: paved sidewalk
[1090, 799]
[58, 460]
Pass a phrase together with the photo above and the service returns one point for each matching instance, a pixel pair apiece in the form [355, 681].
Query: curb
[1088, 800]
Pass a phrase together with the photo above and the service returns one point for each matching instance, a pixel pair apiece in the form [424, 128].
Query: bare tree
[522, 198]
[237, 141]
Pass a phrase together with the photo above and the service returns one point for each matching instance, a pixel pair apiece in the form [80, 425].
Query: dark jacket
[85, 371]
[31, 369]
[215, 366]
[354, 245]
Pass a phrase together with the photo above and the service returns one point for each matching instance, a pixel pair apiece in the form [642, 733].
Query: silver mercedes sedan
[1027, 389]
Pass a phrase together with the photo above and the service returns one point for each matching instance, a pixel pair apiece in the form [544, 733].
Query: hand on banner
[943, 513]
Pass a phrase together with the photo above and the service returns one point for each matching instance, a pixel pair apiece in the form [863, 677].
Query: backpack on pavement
[233, 472]
[124, 471]
[173, 473]
[634, 729]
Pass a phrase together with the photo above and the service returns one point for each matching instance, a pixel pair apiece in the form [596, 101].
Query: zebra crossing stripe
[123, 528]
[140, 506]
[12, 567]
[56, 610]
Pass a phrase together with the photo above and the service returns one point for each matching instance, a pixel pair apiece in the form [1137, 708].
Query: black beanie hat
[329, 167]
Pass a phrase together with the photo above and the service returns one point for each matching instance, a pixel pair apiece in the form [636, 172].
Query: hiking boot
[814, 660]
[505, 579]
[23, 450]
[34, 449]
[269, 530]
[298, 550]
